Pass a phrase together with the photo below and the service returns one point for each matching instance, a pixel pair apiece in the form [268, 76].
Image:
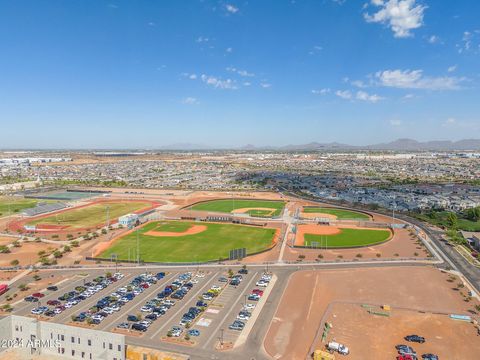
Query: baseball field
[260, 208]
[336, 237]
[184, 241]
[89, 215]
[340, 214]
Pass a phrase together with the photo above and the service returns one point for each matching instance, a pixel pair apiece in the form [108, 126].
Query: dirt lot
[5, 240]
[309, 293]
[27, 254]
[402, 245]
[444, 337]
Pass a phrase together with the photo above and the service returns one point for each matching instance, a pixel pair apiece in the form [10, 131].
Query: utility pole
[138, 249]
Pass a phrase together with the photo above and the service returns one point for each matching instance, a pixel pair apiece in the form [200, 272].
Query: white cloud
[449, 122]
[358, 83]
[408, 97]
[218, 83]
[323, 91]
[402, 16]
[396, 122]
[470, 42]
[364, 96]
[202, 39]
[247, 83]
[265, 85]
[433, 39]
[151, 23]
[240, 72]
[190, 101]
[315, 49]
[190, 76]
[345, 94]
[231, 8]
[414, 79]
[452, 68]
[229, 50]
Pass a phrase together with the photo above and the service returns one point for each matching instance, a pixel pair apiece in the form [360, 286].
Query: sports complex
[186, 241]
[252, 207]
[92, 215]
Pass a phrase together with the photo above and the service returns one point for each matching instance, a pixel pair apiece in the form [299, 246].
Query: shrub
[14, 262]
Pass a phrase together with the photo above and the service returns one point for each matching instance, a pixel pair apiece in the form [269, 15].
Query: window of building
[73, 352]
[110, 346]
[73, 339]
[89, 342]
[78, 340]
[119, 347]
[63, 338]
[83, 354]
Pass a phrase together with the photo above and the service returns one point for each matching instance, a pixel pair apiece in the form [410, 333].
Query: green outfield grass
[228, 205]
[15, 205]
[339, 213]
[212, 244]
[349, 238]
[92, 215]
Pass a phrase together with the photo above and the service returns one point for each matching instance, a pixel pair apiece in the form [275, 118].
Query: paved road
[452, 257]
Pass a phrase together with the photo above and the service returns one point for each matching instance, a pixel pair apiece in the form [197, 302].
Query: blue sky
[121, 74]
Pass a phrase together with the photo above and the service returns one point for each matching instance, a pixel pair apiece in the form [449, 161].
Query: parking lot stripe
[52, 295]
[88, 303]
[215, 332]
[182, 308]
[140, 300]
[256, 313]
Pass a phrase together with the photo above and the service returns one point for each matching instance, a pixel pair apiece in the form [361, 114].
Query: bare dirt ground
[309, 293]
[194, 229]
[244, 210]
[5, 240]
[402, 245]
[445, 337]
[317, 215]
[27, 254]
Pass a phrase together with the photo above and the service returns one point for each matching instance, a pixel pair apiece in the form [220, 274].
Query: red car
[257, 291]
[53, 302]
[38, 295]
[145, 285]
[404, 357]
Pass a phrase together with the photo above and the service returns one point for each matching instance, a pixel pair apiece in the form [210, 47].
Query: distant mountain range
[397, 145]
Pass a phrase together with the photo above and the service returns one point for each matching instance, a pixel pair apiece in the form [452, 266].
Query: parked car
[132, 318]
[237, 325]
[52, 288]
[38, 295]
[415, 338]
[429, 357]
[405, 349]
[123, 325]
[194, 332]
[139, 327]
[340, 348]
[31, 299]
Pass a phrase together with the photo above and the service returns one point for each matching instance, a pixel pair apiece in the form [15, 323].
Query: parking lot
[200, 308]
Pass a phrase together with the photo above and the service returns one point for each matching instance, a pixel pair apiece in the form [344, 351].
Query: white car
[249, 306]
[115, 308]
[68, 305]
[261, 283]
[200, 275]
[146, 309]
[97, 317]
[169, 302]
[194, 281]
[108, 310]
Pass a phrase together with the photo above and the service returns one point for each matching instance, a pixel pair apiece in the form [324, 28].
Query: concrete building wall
[69, 342]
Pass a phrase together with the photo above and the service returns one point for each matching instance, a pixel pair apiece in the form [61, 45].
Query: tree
[473, 214]
[14, 262]
[452, 220]
[23, 287]
[67, 248]
[74, 243]
[57, 254]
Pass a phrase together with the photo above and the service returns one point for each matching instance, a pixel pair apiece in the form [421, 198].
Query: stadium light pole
[138, 250]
